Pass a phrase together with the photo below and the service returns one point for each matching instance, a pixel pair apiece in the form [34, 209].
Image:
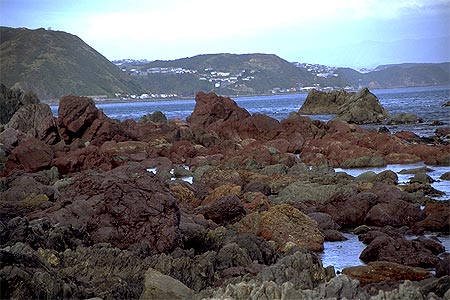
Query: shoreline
[54, 102]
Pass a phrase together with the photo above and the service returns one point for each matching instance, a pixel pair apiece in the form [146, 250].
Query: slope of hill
[55, 63]
[223, 73]
[265, 73]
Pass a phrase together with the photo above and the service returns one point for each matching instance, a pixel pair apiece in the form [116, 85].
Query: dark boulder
[125, 206]
[31, 155]
[349, 209]
[437, 217]
[399, 250]
[225, 210]
[210, 108]
[443, 268]
[23, 194]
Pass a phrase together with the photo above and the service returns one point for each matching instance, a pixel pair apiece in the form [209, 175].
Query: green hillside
[55, 63]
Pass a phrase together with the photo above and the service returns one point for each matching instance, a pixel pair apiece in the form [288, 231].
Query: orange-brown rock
[284, 224]
[380, 271]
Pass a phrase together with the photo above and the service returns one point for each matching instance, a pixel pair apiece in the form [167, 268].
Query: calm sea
[426, 102]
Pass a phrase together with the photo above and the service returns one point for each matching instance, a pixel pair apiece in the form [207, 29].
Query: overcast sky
[357, 33]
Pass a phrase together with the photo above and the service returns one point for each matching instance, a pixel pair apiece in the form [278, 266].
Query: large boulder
[349, 209]
[31, 155]
[224, 210]
[404, 118]
[380, 271]
[437, 217]
[285, 225]
[399, 250]
[125, 206]
[210, 108]
[24, 194]
[362, 108]
[36, 120]
[159, 286]
[318, 102]
[13, 99]
[75, 115]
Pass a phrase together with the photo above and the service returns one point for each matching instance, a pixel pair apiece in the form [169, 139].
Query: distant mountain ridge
[55, 63]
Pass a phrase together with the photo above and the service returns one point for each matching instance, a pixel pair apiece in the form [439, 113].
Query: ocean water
[426, 102]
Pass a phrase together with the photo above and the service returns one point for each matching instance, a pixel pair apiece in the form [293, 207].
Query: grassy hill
[55, 63]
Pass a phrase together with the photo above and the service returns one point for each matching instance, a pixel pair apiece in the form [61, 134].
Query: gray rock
[318, 102]
[415, 170]
[308, 190]
[445, 176]
[404, 118]
[406, 290]
[36, 120]
[11, 100]
[364, 162]
[157, 117]
[158, 286]
[362, 108]
[421, 178]
[279, 169]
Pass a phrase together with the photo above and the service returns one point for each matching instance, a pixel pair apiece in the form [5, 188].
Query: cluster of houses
[223, 79]
[145, 96]
[318, 70]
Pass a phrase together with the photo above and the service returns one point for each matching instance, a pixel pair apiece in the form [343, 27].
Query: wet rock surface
[97, 208]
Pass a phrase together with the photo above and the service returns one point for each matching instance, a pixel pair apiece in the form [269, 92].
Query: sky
[355, 33]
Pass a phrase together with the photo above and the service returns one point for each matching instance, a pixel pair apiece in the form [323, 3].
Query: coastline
[54, 102]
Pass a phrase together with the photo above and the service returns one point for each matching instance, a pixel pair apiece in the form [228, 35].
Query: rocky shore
[224, 205]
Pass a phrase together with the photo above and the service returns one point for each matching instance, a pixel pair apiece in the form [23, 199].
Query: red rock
[83, 159]
[349, 209]
[224, 210]
[406, 135]
[210, 108]
[125, 206]
[32, 155]
[75, 115]
[437, 217]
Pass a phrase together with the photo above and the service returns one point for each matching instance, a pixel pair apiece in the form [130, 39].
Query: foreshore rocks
[227, 205]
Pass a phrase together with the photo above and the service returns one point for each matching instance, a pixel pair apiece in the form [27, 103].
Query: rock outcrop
[322, 103]
[362, 108]
[359, 108]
